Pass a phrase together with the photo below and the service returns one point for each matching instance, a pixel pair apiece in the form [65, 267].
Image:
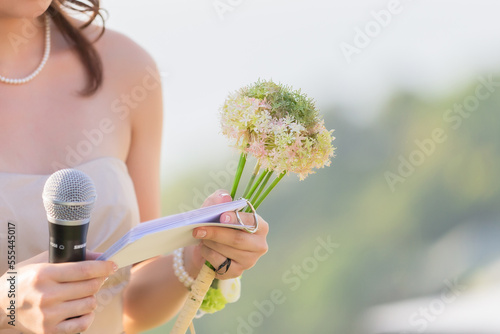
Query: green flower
[284, 102]
[214, 301]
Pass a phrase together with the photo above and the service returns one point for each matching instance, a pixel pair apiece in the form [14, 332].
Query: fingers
[247, 219]
[76, 308]
[247, 258]
[80, 271]
[66, 292]
[218, 197]
[238, 239]
[220, 243]
[216, 259]
[224, 239]
[243, 248]
[75, 325]
[81, 289]
[53, 294]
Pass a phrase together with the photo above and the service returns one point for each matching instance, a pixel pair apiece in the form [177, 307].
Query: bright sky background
[429, 46]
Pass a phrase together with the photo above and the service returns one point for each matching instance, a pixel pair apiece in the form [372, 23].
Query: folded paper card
[163, 235]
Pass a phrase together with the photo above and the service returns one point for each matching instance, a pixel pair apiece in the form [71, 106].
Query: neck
[22, 42]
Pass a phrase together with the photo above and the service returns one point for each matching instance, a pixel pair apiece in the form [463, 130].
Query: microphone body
[68, 197]
[67, 243]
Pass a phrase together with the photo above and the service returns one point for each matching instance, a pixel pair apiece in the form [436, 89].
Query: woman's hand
[219, 243]
[49, 296]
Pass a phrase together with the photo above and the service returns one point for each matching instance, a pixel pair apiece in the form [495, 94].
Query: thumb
[218, 197]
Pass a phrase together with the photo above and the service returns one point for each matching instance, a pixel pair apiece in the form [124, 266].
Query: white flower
[231, 289]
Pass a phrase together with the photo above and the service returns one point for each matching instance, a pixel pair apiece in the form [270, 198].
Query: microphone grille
[69, 194]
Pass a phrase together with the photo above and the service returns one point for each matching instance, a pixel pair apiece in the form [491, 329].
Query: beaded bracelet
[179, 269]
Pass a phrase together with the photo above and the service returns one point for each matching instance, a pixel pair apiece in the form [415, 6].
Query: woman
[95, 106]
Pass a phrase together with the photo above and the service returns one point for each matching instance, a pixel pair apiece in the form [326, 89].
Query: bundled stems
[268, 174]
[255, 191]
[239, 171]
[252, 179]
[256, 184]
[268, 190]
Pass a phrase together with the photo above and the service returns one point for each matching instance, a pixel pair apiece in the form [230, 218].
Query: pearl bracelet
[179, 269]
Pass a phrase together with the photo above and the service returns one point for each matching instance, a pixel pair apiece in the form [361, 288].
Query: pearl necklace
[46, 54]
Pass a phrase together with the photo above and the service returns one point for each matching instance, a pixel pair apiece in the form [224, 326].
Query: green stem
[208, 264]
[256, 184]
[261, 188]
[250, 182]
[268, 190]
[239, 171]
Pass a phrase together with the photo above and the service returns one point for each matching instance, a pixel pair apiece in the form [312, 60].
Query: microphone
[68, 198]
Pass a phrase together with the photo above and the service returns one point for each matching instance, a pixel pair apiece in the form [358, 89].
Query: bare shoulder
[115, 46]
[130, 72]
[123, 58]
[117, 50]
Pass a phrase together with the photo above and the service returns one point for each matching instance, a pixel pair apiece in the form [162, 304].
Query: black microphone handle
[67, 243]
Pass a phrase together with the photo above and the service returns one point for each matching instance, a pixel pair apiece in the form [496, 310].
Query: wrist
[182, 258]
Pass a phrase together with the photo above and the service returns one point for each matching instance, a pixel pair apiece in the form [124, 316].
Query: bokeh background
[409, 210]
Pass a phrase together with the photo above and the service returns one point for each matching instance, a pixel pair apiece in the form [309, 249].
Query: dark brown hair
[83, 46]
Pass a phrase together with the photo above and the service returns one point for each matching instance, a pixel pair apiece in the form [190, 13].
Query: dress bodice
[115, 212]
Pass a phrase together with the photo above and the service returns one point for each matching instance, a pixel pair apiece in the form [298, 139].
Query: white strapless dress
[115, 212]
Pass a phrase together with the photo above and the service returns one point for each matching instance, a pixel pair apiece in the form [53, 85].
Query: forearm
[154, 294]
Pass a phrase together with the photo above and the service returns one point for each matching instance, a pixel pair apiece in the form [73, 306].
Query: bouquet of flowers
[283, 130]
